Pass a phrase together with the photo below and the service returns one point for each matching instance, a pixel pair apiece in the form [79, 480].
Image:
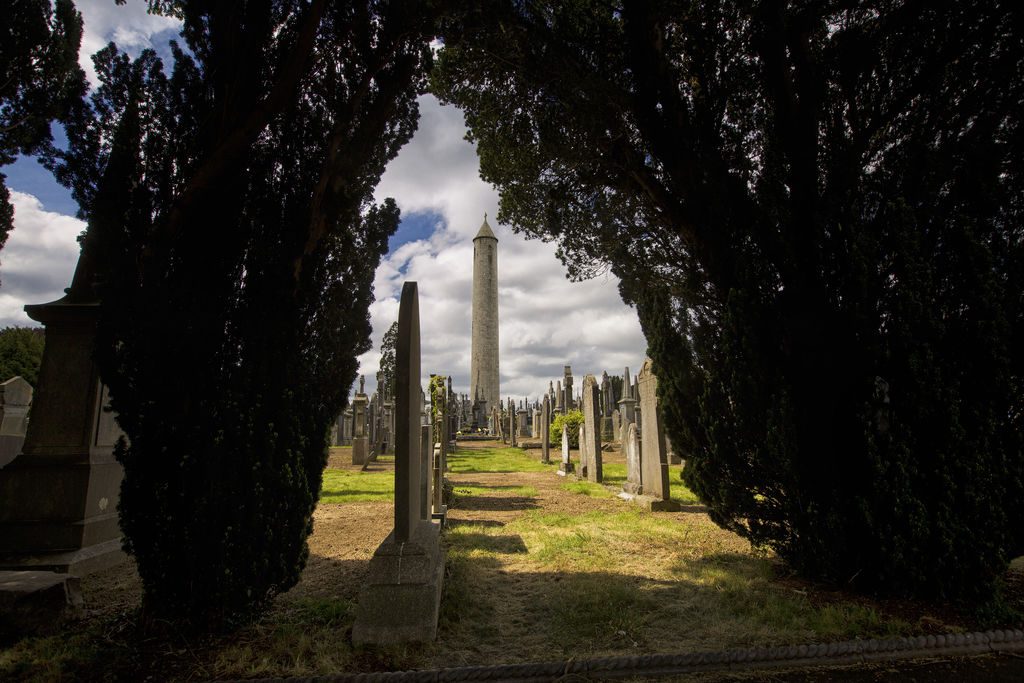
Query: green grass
[467, 490]
[587, 488]
[467, 461]
[614, 475]
[345, 486]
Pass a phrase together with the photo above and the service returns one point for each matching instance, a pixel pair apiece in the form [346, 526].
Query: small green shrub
[572, 421]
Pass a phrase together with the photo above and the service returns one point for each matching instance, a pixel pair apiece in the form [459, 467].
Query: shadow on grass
[503, 544]
[496, 503]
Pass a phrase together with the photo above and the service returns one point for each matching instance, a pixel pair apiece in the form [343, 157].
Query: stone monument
[360, 438]
[15, 400]
[565, 468]
[58, 497]
[545, 429]
[484, 378]
[400, 600]
[590, 450]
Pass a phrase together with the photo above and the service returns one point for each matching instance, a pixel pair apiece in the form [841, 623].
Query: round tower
[484, 359]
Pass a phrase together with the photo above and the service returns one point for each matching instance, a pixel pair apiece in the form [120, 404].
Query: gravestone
[616, 425]
[567, 388]
[15, 400]
[521, 422]
[590, 450]
[566, 467]
[513, 437]
[559, 398]
[426, 474]
[545, 429]
[653, 456]
[535, 427]
[581, 471]
[360, 436]
[400, 600]
[439, 459]
[631, 446]
[59, 495]
[627, 407]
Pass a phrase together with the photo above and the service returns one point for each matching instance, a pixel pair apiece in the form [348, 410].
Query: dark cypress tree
[233, 239]
[816, 208]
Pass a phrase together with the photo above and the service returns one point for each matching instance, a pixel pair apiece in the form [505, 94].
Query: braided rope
[787, 656]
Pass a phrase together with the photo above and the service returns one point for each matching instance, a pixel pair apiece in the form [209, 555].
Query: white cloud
[39, 259]
[546, 321]
[128, 25]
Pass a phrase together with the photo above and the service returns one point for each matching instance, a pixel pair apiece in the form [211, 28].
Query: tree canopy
[21, 353]
[232, 240]
[816, 209]
[40, 81]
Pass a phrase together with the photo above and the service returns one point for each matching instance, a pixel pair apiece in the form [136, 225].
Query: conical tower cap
[485, 231]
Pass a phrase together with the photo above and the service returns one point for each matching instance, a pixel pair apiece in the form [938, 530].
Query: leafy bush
[21, 352]
[572, 421]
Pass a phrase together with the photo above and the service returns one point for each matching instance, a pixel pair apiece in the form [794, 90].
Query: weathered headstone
[513, 437]
[401, 598]
[627, 407]
[654, 458]
[581, 471]
[545, 428]
[521, 422]
[559, 398]
[426, 473]
[567, 388]
[360, 437]
[15, 400]
[59, 495]
[590, 451]
[616, 425]
[566, 467]
[631, 446]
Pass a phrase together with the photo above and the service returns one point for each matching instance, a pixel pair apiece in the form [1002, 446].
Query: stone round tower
[483, 382]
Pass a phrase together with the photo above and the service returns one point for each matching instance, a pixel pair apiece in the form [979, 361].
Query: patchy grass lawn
[353, 486]
[538, 568]
[614, 474]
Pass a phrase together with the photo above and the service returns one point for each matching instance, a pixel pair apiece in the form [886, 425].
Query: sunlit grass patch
[347, 486]
[588, 488]
[467, 460]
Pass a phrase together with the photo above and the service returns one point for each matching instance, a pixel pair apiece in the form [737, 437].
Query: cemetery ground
[539, 568]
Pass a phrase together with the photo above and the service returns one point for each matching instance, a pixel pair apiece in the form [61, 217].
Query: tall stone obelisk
[484, 359]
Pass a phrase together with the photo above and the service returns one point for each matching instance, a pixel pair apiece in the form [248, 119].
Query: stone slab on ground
[37, 602]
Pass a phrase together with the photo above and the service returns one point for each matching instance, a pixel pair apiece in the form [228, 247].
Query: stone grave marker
[633, 485]
[400, 600]
[15, 400]
[545, 429]
[590, 450]
[566, 467]
[653, 457]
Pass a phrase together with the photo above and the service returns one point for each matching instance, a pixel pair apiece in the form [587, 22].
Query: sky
[545, 321]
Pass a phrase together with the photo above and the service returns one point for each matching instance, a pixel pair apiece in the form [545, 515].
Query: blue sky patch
[415, 225]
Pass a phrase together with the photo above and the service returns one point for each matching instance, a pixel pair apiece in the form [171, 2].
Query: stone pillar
[58, 497]
[15, 400]
[590, 452]
[360, 437]
[426, 474]
[627, 407]
[521, 422]
[567, 388]
[512, 423]
[535, 427]
[654, 458]
[634, 477]
[565, 468]
[559, 398]
[400, 600]
[545, 429]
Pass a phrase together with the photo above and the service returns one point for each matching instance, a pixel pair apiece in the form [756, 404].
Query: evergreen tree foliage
[21, 353]
[816, 208]
[386, 374]
[232, 239]
[40, 81]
